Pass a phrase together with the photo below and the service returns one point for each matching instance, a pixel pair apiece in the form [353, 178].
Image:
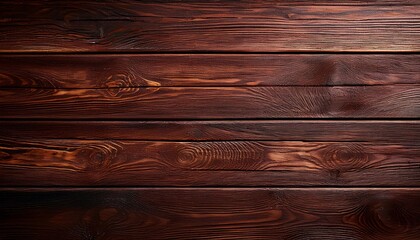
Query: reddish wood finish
[245, 26]
[200, 70]
[213, 102]
[281, 130]
[216, 119]
[237, 163]
[250, 213]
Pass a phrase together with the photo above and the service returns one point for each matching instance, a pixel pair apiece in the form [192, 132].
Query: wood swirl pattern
[281, 130]
[183, 70]
[251, 213]
[210, 119]
[241, 26]
[237, 163]
[212, 102]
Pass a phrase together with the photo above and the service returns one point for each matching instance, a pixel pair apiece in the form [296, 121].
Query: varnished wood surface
[217, 119]
[400, 101]
[350, 214]
[182, 70]
[234, 163]
[245, 26]
[281, 130]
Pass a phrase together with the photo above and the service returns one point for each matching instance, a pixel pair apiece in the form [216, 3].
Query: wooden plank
[243, 163]
[400, 101]
[104, 71]
[245, 26]
[210, 214]
[280, 130]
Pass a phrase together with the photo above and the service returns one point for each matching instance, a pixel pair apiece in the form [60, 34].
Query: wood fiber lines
[239, 26]
[222, 119]
[186, 213]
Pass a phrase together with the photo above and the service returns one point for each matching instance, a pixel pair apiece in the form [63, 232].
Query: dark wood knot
[342, 157]
[386, 214]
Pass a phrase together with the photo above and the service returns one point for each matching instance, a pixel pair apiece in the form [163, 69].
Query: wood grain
[243, 163]
[372, 214]
[182, 119]
[242, 26]
[212, 102]
[281, 130]
[182, 70]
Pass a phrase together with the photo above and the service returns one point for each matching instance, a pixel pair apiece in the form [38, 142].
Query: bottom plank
[209, 213]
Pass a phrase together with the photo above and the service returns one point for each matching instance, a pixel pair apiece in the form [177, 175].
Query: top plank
[210, 26]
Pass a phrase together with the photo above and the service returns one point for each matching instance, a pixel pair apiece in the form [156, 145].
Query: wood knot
[386, 214]
[118, 80]
[343, 157]
[99, 157]
[95, 157]
[187, 158]
[96, 160]
[128, 93]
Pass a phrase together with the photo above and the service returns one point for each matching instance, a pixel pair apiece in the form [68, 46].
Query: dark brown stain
[252, 213]
[242, 26]
[245, 163]
[195, 119]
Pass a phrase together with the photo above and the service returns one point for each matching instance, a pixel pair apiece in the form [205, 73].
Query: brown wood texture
[407, 131]
[350, 214]
[218, 119]
[237, 163]
[183, 70]
[242, 26]
[400, 101]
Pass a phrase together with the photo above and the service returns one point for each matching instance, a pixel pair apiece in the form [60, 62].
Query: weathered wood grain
[244, 163]
[248, 26]
[350, 214]
[281, 130]
[146, 70]
[212, 102]
[184, 61]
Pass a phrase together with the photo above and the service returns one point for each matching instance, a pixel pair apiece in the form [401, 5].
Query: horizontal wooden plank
[402, 101]
[280, 130]
[248, 26]
[372, 214]
[245, 163]
[104, 71]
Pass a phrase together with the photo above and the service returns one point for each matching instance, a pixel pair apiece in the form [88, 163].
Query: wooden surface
[228, 163]
[206, 70]
[400, 101]
[281, 130]
[210, 214]
[217, 119]
[240, 26]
